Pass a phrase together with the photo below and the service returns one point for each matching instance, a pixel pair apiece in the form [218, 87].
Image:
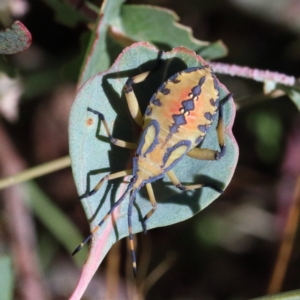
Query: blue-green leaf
[120, 25]
[14, 39]
[93, 158]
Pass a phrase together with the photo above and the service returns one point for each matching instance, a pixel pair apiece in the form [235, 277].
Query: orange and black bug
[176, 120]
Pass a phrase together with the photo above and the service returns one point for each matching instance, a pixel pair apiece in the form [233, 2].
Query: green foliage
[266, 127]
[120, 25]
[62, 229]
[65, 13]
[6, 278]
[14, 39]
[160, 27]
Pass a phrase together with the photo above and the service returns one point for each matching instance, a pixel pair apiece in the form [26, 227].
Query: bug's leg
[113, 140]
[105, 178]
[153, 203]
[132, 101]
[116, 204]
[182, 187]
[206, 154]
[209, 154]
[130, 235]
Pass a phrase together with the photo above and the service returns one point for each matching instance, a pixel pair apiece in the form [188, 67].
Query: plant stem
[288, 240]
[37, 171]
[20, 226]
[255, 74]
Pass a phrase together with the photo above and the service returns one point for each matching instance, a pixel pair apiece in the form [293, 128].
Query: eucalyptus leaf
[93, 156]
[293, 92]
[121, 25]
[98, 56]
[160, 26]
[14, 39]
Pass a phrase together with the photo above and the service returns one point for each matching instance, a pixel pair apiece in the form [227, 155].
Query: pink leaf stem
[255, 74]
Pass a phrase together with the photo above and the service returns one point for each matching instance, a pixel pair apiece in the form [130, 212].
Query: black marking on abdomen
[179, 119]
[212, 102]
[165, 91]
[174, 79]
[173, 129]
[155, 124]
[196, 90]
[148, 111]
[192, 69]
[202, 128]
[155, 101]
[216, 86]
[208, 116]
[171, 149]
[188, 105]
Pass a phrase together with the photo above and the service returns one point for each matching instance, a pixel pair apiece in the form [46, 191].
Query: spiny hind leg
[153, 203]
[209, 154]
[106, 178]
[117, 142]
[182, 187]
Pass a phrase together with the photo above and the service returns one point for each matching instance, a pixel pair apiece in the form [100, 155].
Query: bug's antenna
[82, 244]
[116, 204]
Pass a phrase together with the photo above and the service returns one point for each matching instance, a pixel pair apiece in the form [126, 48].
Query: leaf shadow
[164, 193]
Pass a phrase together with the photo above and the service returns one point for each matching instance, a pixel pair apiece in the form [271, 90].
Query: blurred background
[229, 250]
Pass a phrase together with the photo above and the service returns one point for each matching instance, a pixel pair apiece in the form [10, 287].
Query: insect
[176, 120]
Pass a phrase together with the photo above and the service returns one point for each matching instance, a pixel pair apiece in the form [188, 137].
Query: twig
[157, 273]
[255, 74]
[20, 226]
[34, 172]
[287, 243]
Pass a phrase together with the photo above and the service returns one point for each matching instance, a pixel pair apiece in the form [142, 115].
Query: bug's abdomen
[185, 105]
